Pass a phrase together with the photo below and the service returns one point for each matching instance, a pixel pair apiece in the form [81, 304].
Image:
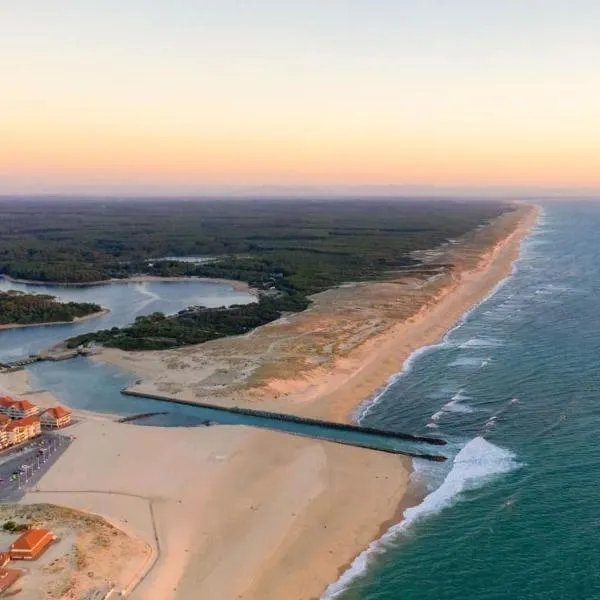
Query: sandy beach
[237, 513]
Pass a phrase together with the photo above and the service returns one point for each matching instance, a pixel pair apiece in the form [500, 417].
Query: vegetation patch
[29, 309]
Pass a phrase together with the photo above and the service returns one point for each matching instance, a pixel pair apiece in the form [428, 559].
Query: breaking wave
[478, 462]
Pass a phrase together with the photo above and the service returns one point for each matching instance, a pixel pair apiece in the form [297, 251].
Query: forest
[28, 309]
[288, 249]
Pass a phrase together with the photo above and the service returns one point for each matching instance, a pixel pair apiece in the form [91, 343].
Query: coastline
[100, 313]
[357, 378]
[264, 505]
[240, 286]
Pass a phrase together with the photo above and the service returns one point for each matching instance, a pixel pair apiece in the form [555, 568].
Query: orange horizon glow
[249, 102]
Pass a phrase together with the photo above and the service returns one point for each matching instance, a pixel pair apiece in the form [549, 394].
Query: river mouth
[88, 385]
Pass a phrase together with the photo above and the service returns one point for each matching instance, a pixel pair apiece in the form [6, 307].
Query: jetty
[54, 354]
[371, 438]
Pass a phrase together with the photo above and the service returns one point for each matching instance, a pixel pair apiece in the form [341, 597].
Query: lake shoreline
[273, 499]
[337, 395]
[100, 313]
[237, 285]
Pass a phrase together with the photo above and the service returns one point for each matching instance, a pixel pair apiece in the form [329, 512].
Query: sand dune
[239, 513]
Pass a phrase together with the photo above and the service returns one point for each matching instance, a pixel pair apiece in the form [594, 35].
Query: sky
[192, 95]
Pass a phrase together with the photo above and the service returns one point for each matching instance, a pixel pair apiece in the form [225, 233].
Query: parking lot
[23, 467]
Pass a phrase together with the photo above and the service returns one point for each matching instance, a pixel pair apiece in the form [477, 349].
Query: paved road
[27, 464]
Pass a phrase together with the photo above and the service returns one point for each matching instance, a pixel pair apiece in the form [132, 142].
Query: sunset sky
[187, 95]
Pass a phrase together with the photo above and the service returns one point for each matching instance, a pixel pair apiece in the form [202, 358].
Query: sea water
[515, 388]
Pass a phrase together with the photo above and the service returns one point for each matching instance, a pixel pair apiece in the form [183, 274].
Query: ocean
[515, 389]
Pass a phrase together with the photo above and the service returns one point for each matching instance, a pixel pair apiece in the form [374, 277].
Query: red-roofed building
[56, 417]
[6, 403]
[21, 409]
[22, 430]
[4, 441]
[8, 577]
[31, 544]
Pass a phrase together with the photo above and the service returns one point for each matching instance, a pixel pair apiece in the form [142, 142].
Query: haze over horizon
[200, 97]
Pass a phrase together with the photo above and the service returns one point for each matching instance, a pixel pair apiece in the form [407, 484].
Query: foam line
[477, 463]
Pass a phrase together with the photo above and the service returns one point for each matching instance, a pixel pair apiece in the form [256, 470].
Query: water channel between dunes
[88, 385]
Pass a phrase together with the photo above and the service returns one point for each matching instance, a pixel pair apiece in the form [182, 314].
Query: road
[23, 467]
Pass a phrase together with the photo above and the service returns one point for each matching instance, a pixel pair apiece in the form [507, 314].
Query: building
[56, 417]
[21, 409]
[8, 577]
[4, 441]
[21, 430]
[6, 403]
[31, 544]
[17, 409]
[4, 559]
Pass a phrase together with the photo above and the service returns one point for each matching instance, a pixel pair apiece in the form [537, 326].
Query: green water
[516, 389]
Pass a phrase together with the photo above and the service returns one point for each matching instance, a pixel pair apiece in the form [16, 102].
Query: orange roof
[58, 412]
[7, 401]
[4, 420]
[31, 538]
[31, 420]
[23, 405]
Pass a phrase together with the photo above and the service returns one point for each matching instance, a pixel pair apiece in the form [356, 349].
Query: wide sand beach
[233, 512]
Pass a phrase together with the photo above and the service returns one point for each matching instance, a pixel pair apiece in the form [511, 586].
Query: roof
[4, 420]
[31, 420]
[4, 558]
[58, 412]
[31, 539]
[7, 401]
[23, 405]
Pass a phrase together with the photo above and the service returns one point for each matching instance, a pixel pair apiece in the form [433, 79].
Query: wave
[467, 361]
[365, 407]
[455, 406]
[478, 462]
[481, 343]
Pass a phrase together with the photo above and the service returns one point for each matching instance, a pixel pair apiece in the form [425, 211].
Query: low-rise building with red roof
[21, 430]
[6, 403]
[4, 441]
[56, 417]
[8, 577]
[21, 409]
[31, 544]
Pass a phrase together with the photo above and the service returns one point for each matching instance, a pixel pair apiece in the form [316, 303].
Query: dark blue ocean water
[515, 387]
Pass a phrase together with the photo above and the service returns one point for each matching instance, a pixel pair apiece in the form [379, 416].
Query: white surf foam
[436, 416]
[480, 343]
[365, 407]
[466, 361]
[455, 406]
[476, 463]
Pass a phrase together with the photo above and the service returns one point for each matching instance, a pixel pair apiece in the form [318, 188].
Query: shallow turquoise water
[516, 389]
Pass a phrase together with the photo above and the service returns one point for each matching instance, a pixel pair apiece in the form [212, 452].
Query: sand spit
[236, 513]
